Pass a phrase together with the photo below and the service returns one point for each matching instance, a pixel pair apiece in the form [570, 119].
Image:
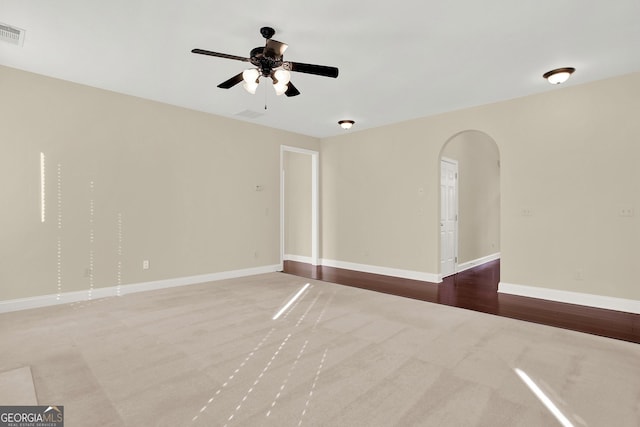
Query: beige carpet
[211, 355]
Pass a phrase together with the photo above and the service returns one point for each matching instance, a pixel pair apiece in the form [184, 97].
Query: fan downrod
[267, 32]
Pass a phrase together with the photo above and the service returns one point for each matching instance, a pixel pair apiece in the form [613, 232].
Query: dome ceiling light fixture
[559, 75]
[346, 124]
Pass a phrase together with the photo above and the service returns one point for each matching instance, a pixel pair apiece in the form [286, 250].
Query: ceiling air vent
[11, 34]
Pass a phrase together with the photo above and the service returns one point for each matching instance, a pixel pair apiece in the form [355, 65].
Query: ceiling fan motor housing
[263, 62]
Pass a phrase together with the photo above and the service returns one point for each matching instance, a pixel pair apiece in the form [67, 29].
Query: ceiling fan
[269, 63]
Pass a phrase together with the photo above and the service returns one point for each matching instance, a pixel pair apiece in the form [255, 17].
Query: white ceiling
[398, 60]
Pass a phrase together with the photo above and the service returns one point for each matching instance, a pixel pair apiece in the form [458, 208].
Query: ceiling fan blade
[220, 55]
[320, 70]
[231, 82]
[274, 49]
[292, 90]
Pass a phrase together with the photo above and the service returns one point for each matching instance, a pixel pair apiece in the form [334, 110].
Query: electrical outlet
[626, 211]
[145, 264]
[527, 212]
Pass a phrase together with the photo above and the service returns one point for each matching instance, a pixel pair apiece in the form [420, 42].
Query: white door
[448, 216]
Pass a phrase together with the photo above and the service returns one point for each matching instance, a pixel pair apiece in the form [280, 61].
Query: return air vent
[11, 34]
[249, 114]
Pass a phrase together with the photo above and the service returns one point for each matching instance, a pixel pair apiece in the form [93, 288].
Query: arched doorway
[469, 202]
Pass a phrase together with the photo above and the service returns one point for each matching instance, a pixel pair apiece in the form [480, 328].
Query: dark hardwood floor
[477, 289]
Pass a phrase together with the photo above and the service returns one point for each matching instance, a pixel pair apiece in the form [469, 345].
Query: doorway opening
[469, 202]
[299, 193]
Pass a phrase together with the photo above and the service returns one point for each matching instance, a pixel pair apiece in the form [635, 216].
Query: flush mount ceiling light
[346, 124]
[559, 75]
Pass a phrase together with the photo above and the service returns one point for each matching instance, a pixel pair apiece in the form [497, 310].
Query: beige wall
[170, 185]
[183, 185]
[569, 157]
[478, 194]
[297, 167]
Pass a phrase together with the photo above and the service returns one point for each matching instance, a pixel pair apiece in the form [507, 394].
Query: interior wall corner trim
[112, 291]
[384, 271]
[569, 297]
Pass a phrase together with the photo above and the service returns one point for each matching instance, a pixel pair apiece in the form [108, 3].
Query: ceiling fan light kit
[250, 78]
[269, 63]
[559, 75]
[281, 79]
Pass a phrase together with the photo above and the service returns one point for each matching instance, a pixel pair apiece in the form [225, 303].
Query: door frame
[315, 163]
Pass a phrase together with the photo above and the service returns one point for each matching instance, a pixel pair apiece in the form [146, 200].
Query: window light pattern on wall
[59, 240]
[91, 238]
[43, 185]
[119, 254]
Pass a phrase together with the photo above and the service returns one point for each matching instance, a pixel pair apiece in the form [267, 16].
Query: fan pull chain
[265, 97]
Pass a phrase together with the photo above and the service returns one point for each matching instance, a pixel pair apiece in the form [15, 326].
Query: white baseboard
[298, 258]
[589, 300]
[111, 291]
[476, 262]
[385, 271]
